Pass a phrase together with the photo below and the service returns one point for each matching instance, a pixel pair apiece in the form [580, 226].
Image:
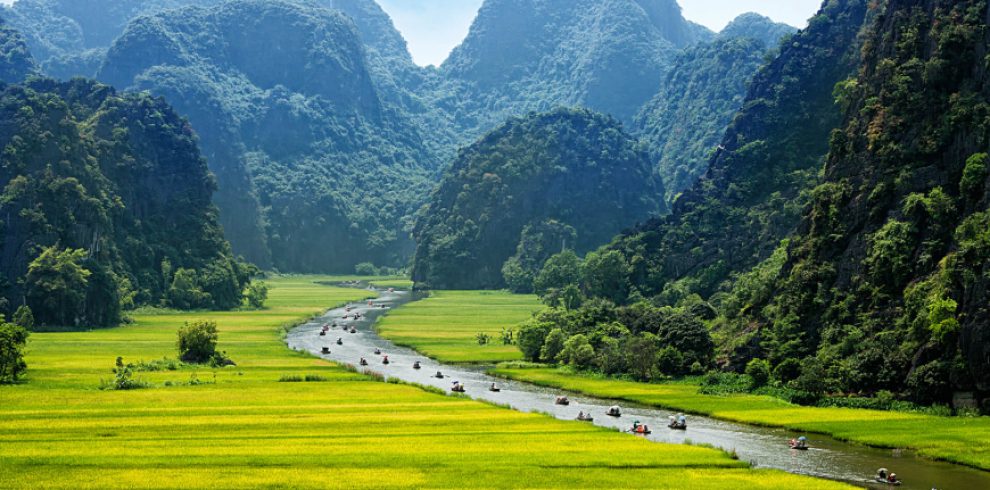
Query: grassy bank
[960, 440]
[243, 428]
[445, 325]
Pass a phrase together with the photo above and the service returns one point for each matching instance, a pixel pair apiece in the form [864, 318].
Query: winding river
[764, 447]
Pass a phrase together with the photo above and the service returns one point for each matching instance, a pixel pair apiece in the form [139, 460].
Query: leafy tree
[972, 184]
[23, 317]
[670, 361]
[532, 336]
[553, 345]
[56, 284]
[611, 358]
[537, 244]
[758, 371]
[256, 294]
[577, 352]
[641, 355]
[197, 341]
[13, 338]
[185, 292]
[560, 271]
[606, 275]
[366, 269]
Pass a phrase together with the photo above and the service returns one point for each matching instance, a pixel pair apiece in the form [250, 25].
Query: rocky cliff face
[756, 184]
[118, 177]
[893, 249]
[701, 94]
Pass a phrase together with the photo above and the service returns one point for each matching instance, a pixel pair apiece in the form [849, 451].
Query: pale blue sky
[434, 27]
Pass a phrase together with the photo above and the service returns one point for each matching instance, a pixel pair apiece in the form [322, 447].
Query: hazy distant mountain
[16, 62]
[533, 55]
[314, 169]
[756, 185]
[707, 85]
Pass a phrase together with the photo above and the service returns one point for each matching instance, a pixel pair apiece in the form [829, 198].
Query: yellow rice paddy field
[240, 427]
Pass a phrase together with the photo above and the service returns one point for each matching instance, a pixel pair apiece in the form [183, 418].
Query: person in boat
[416, 365]
[378, 352]
[340, 341]
[635, 426]
[681, 419]
[364, 362]
[494, 387]
[580, 415]
[385, 360]
[439, 375]
[882, 474]
[892, 478]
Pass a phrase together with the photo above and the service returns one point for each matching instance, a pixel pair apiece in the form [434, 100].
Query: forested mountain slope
[706, 87]
[571, 170]
[757, 183]
[106, 200]
[17, 63]
[534, 55]
[885, 287]
[314, 168]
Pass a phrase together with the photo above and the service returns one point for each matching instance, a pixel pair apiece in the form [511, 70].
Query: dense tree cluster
[106, 199]
[885, 286]
[538, 184]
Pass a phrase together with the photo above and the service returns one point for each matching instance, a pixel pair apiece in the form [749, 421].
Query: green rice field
[957, 439]
[445, 325]
[239, 427]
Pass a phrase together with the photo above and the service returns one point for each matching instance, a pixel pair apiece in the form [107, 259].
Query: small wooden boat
[326, 350]
[439, 375]
[323, 334]
[640, 429]
[353, 330]
[614, 411]
[378, 352]
[458, 388]
[340, 341]
[562, 400]
[800, 444]
[416, 365]
[895, 483]
[385, 360]
[363, 362]
[582, 417]
[495, 389]
[677, 423]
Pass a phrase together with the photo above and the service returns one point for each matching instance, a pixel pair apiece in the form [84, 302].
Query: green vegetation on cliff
[703, 91]
[105, 205]
[570, 167]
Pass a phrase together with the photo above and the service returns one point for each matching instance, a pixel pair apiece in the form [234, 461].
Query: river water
[764, 447]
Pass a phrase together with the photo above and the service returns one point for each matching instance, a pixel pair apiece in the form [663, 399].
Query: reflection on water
[764, 447]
